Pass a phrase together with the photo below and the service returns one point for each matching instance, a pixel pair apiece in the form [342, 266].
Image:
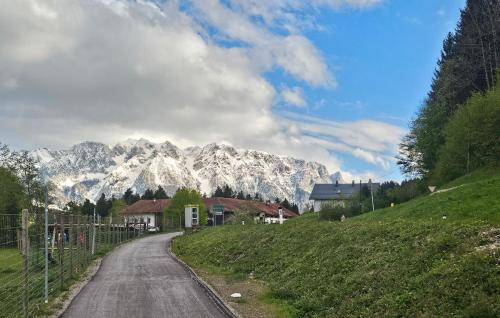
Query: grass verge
[401, 261]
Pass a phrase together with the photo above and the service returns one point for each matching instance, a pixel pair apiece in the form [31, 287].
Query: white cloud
[293, 96]
[294, 53]
[371, 141]
[109, 70]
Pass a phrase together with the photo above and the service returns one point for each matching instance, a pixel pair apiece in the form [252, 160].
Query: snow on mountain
[90, 168]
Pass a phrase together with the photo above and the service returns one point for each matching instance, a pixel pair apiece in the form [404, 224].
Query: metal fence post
[46, 245]
[93, 234]
[25, 249]
[78, 235]
[70, 236]
[61, 249]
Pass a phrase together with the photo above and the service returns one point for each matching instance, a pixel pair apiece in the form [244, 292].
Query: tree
[469, 59]
[183, 197]
[128, 196]
[88, 207]
[248, 197]
[228, 192]
[117, 205]
[472, 138]
[25, 167]
[218, 193]
[240, 195]
[136, 197]
[160, 193]
[73, 208]
[277, 200]
[257, 196]
[103, 206]
[295, 208]
[285, 204]
[11, 192]
[148, 195]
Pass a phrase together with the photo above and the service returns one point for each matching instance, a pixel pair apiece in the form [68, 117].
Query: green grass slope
[402, 261]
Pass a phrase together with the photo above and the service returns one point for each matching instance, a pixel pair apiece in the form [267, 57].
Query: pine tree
[468, 62]
[127, 196]
[160, 193]
[88, 207]
[240, 195]
[228, 192]
[285, 204]
[248, 197]
[102, 206]
[148, 195]
[218, 193]
[136, 197]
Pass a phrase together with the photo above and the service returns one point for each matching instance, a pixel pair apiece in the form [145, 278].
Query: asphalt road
[140, 279]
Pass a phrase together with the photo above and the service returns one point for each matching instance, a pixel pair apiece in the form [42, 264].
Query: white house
[149, 212]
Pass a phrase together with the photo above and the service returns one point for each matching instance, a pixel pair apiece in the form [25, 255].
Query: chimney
[154, 200]
[336, 183]
[353, 183]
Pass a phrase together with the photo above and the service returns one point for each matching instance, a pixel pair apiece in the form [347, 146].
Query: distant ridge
[90, 168]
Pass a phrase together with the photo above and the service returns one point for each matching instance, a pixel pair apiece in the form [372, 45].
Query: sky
[333, 81]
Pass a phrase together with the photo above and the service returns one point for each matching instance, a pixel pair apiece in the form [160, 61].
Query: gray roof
[338, 191]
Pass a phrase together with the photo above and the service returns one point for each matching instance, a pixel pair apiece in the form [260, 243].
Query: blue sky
[383, 59]
[332, 81]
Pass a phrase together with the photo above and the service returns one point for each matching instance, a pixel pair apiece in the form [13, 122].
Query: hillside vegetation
[402, 261]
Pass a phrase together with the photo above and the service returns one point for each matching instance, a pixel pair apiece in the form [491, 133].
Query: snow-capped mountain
[90, 168]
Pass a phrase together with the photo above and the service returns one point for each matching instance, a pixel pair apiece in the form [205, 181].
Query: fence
[26, 283]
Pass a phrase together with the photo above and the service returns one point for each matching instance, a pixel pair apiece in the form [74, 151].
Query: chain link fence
[67, 247]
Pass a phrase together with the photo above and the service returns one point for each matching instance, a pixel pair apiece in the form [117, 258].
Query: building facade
[338, 194]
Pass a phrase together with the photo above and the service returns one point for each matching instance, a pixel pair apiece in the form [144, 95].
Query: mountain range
[90, 168]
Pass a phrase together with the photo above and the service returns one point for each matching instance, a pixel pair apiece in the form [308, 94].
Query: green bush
[175, 211]
[331, 212]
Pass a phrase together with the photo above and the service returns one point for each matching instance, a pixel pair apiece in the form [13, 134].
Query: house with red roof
[150, 212]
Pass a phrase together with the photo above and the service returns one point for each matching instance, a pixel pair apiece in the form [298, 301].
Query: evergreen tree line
[227, 192]
[456, 129]
[112, 206]
[130, 197]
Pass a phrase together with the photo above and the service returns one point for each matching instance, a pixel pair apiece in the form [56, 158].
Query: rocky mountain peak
[90, 168]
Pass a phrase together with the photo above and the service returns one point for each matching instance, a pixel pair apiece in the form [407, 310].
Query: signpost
[217, 210]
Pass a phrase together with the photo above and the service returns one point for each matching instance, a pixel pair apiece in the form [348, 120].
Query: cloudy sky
[335, 81]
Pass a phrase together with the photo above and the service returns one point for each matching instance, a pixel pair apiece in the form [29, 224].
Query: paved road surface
[139, 279]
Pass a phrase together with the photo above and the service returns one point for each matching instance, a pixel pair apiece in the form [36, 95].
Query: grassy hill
[402, 261]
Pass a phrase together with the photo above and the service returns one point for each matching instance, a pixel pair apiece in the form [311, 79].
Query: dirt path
[140, 279]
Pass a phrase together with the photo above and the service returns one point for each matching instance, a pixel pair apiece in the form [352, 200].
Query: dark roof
[147, 206]
[338, 191]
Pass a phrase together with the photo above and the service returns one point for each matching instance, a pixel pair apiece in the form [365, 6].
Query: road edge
[212, 294]
[67, 298]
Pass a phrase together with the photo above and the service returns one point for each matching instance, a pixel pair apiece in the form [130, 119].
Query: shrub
[331, 211]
